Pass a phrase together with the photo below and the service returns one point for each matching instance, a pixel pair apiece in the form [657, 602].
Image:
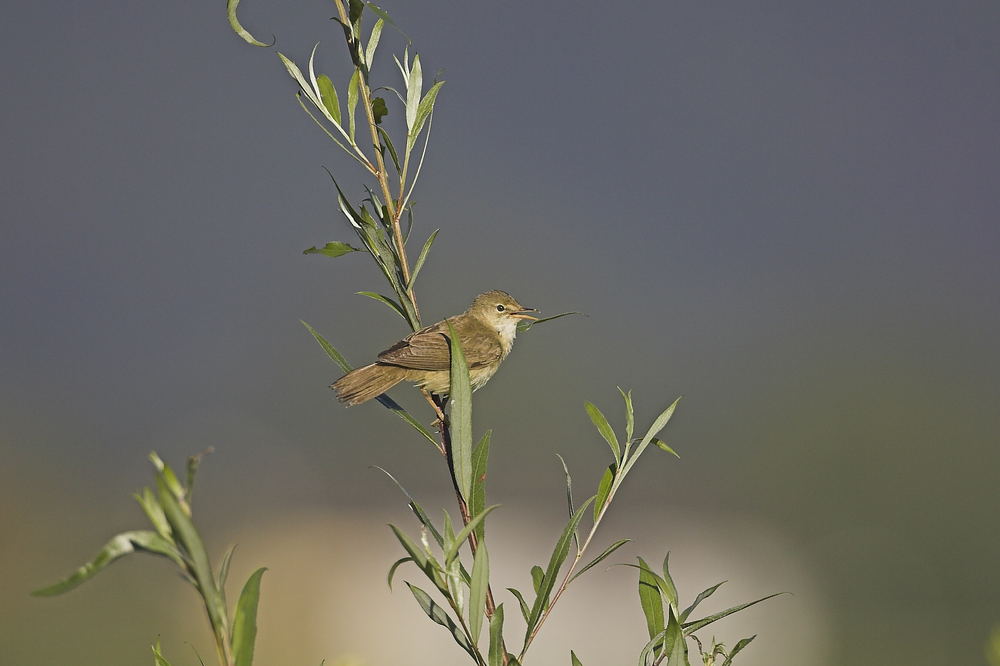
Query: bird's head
[499, 309]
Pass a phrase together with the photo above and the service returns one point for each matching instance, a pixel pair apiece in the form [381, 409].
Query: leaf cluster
[173, 536]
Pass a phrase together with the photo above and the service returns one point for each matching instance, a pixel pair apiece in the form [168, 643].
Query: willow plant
[451, 556]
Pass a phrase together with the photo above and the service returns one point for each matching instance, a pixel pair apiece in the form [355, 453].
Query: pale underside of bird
[486, 332]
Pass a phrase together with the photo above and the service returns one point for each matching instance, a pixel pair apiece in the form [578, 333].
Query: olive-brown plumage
[486, 331]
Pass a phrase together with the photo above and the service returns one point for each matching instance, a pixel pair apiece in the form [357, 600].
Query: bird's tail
[363, 384]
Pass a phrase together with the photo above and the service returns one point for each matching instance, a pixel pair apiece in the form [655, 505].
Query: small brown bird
[486, 331]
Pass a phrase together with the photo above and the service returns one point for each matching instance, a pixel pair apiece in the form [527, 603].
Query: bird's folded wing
[429, 349]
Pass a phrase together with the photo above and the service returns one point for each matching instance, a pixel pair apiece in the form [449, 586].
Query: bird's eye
[500, 308]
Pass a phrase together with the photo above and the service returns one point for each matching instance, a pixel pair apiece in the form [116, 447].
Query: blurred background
[785, 211]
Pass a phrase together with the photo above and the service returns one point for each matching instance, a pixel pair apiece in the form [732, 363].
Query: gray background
[786, 212]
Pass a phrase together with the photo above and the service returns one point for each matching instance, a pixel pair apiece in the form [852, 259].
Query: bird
[486, 331]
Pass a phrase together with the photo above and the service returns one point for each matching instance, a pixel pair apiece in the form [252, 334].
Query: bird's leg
[432, 400]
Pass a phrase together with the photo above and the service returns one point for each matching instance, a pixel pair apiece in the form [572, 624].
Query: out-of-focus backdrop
[786, 212]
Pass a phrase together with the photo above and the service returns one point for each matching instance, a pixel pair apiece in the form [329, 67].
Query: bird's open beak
[523, 314]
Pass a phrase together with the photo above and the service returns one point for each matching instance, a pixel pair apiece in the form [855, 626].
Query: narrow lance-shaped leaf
[690, 627]
[117, 547]
[387, 142]
[388, 302]
[525, 610]
[496, 649]
[245, 620]
[224, 567]
[439, 615]
[352, 101]
[296, 74]
[598, 419]
[237, 27]
[460, 420]
[424, 110]
[663, 446]
[373, 42]
[414, 84]
[650, 600]
[158, 658]
[676, 646]
[537, 578]
[670, 591]
[190, 540]
[604, 490]
[151, 507]
[569, 497]
[743, 642]
[559, 554]
[525, 325]
[658, 424]
[478, 585]
[700, 598]
[328, 94]
[480, 459]
[574, 661]
[600, 558]
[629, 418]
[332, 249]
[392, 570]
[422, 257]
[460, 538]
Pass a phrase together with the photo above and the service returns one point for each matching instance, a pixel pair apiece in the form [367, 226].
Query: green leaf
[669, 589]
[480, 458]
[424, 110]
[574, 661]
[414, 84]
[439, 615]
[395, 565]
[352, 101]
[526, 324]
[460, 538]
[603, 427]
[373, 42]
[188, 538]
[151, 507]
[569, 497]
[737, 649]
[537, 578]
[690, 627]
[600, 558]
[118, 546]
[495, 655]
[158, 658]
[629, 417]
[676, 646]
[387, 142]
[422, 257]
[334, 355]
[245, 620]
[391, 304]
[650, 649]
[700, 598]
[224, 567]
[525, 610]
[478, 584]
[238, 28]
[603, 490]
[658, 424]
[332, 249]
[460, 419]
[193, 462]
[328, 94]
[660, 444]
[559, 554]
[296, 74]
[651, 600]
[379, 109]
[418, 511]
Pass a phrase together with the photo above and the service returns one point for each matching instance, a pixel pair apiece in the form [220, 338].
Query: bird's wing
[428, 349]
